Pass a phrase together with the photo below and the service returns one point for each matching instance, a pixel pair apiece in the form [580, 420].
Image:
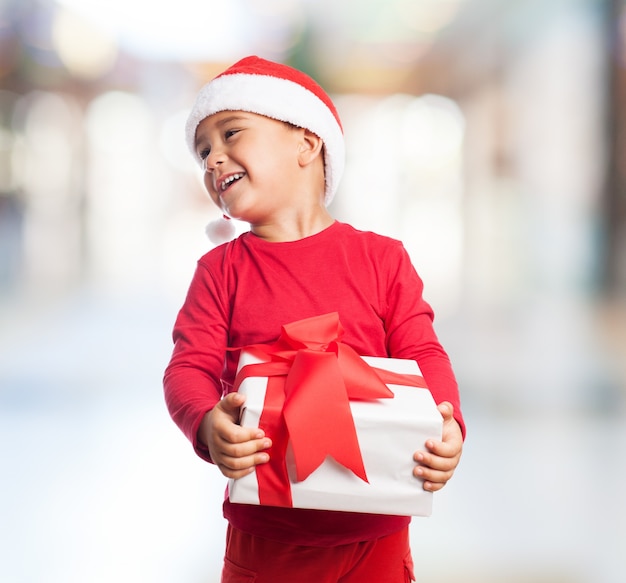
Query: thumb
[233, 401]
[446, 409]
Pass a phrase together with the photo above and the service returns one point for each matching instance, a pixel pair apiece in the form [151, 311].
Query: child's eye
[204, 156]
[230, 133]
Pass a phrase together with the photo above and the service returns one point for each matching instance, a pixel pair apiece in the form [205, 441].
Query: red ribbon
[312, 376]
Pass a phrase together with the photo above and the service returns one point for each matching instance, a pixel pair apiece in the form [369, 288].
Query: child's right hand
[235, 450]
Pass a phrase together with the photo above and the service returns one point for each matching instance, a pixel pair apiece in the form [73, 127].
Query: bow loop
[361, 380]
[313, 333]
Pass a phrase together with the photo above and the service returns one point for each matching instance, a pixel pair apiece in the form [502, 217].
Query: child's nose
[213, 160]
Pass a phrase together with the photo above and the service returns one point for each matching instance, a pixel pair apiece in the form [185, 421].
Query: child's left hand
[436, 466]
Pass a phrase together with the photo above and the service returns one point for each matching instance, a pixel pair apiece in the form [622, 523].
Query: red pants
[251, 559]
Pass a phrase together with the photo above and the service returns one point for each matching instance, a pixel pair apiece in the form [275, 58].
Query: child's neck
[287, 229]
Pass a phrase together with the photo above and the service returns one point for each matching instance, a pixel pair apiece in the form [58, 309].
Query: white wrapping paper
[389, 431]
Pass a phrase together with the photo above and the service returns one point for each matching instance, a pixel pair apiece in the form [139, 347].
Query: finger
[237, 467]
[229, 441]
[443, 449]
[432, 479]
[226, 421]
[232, 434]
[433, 486]
[436, 462]
[451, 449]
[244, 448]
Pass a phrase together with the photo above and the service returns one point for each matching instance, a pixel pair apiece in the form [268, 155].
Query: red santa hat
[280, 92]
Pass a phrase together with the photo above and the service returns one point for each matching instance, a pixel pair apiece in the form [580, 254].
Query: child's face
[250, 163]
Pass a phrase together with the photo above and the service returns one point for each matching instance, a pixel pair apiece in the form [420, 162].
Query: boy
[271, 145]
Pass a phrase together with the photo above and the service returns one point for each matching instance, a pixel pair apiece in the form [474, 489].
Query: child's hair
[280, 92]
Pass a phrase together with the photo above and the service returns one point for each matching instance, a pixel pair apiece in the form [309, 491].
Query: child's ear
[310, 147]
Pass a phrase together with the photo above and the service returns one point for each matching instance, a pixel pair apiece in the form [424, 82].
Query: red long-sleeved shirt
[244, 291]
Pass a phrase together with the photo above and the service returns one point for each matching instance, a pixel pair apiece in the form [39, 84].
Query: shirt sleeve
[191, 381]
[411, 334]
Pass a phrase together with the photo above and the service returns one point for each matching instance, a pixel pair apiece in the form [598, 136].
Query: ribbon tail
[393, 378]
[318, 416]
[272, 477]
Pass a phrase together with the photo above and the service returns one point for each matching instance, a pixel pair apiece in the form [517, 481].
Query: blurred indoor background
[488, 135]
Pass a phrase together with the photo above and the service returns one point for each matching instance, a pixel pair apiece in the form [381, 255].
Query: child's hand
[436, 466]
[235, 450]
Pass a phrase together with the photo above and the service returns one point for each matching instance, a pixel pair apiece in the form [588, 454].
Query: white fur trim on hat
[269, 89]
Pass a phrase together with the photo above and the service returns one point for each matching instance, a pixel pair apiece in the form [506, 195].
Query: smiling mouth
[230, 180]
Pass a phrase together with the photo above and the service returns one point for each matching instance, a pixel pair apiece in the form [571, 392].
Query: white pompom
[220, 231]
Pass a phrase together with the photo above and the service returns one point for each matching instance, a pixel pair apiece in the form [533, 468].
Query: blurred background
[488, 135]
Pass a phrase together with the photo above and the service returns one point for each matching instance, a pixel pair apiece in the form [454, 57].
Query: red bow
[311, 378]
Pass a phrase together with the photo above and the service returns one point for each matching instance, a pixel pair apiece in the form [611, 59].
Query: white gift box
[389, 432]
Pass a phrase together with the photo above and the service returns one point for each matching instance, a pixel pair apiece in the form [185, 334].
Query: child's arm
[235, 450]
[436, 466]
